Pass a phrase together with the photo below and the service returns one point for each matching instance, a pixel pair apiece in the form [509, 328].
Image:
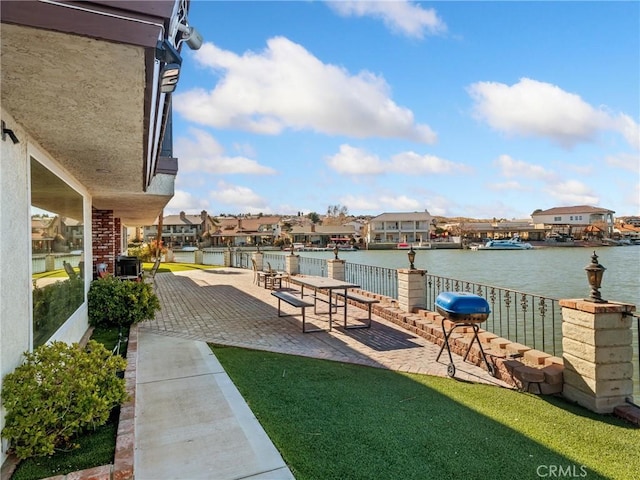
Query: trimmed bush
[60, 391]
[114, 302]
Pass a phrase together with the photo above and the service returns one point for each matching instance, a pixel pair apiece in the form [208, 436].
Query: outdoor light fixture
[258, 245]
[7, 131]
[191, 36]
[292, 248]
[595, 272]
[335, 252]
[412, 258]
[170, 73]
[169, 77]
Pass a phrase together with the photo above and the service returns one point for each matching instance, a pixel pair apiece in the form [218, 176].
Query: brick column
[597, 353]
[105, 238]
[292, 264]
[335, 269]
[411, 289]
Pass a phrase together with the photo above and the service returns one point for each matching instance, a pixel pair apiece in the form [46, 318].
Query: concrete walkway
[186, 406]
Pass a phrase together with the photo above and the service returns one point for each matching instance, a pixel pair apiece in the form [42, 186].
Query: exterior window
[57, 257]
[557, 219]
[571, 218]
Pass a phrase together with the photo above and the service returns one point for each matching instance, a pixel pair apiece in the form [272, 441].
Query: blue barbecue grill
[464, 310]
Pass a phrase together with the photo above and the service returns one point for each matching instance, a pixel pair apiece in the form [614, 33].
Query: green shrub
[114, 302]
[60, 391]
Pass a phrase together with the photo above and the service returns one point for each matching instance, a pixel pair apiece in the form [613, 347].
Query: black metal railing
[380, 280]
[213, 257]
[276, 261]
[525, 318]
[635, 331]
[313, 266]
[241, 259]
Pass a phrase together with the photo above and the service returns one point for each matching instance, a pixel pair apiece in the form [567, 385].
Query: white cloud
[381, 203]
[412, 163]
[627, 161]
[407, 18]
[356, 161]
[204, 154]
[286, 87]
[510, 167]
[185, 202]
[539, 109]
[241, 198]
[508, 186]
[572, 192]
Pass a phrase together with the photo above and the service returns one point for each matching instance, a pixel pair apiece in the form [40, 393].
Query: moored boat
[506, 244]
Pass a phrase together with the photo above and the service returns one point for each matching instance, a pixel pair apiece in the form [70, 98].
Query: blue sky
[475, 109]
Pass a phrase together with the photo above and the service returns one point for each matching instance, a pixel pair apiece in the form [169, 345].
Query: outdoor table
[329, 284]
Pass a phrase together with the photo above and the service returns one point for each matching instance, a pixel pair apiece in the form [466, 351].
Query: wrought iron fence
[241, 259]
[380, 280]
[635, 325]
[313, 266]
[276, 261]
[532, 320]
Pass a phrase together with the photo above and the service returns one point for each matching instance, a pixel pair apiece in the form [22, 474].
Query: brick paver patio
[224, 306]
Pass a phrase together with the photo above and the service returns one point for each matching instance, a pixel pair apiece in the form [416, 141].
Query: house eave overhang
[82, 79]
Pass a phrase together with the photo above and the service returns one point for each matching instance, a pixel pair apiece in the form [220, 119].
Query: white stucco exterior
[16, 331]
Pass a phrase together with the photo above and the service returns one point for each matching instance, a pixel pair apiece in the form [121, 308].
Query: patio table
[329, 284]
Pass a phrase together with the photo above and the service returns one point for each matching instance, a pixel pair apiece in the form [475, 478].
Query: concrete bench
[294, 302]
[360, 299]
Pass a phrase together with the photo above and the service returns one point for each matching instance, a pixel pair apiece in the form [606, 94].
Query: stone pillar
[169, 256]
[597, 353]
[228, 258]
[335, 269]
[258, 257]
[199, 257]
[411, 289]
[292, 264]
[49, 263]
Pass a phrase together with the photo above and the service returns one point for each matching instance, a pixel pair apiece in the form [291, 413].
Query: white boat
[508, 244]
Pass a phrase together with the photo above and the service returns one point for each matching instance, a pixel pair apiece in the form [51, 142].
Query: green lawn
[339, 421]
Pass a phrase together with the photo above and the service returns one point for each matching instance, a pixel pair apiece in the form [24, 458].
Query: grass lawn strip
[340, 421]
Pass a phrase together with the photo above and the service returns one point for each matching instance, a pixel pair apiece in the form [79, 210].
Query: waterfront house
[86, 137]
[244, 230]
[178, 231]
[323, 235]
[394, 228]
[577, 221]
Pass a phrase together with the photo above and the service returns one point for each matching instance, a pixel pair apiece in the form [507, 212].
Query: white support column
[259, 259]
[292, 264]
[597, 353]
[411, 289]
[335, 269]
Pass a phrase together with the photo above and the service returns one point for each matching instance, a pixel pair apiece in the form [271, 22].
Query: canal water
[555, 272]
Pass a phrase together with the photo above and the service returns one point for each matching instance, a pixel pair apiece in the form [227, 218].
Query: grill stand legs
[451, 369]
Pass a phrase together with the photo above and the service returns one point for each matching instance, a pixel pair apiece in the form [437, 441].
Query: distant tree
[314, 217]
[336, 214]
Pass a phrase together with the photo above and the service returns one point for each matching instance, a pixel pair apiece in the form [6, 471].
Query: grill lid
[462, 303]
